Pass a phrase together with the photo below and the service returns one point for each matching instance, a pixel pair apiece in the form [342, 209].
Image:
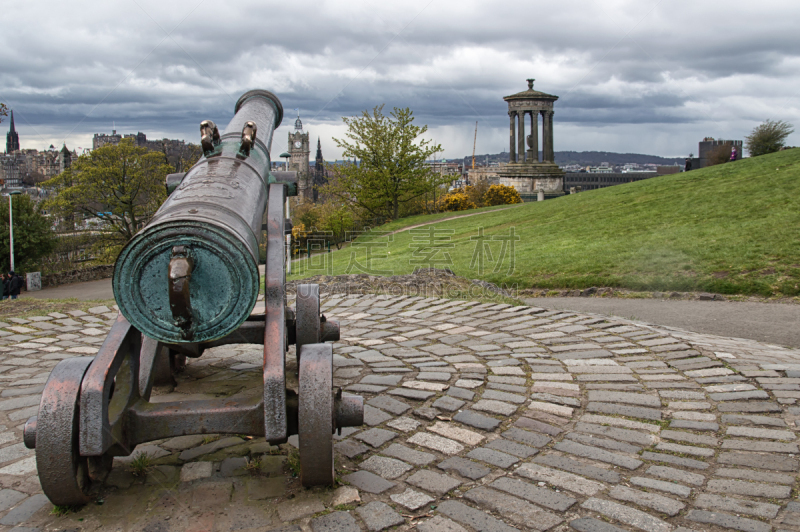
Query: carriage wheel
[66, 476]
[316, 415]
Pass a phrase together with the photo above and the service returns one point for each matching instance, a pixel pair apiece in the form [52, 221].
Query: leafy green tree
[34, 237]
[768, 137]
[391, 170]
[121, 187]
[3, 111]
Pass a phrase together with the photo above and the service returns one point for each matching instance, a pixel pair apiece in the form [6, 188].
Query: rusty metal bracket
[115, 366]
[275, 418]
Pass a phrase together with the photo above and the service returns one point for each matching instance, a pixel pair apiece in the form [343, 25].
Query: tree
[34, 237]
[391, 170]
[3, 111]
[501, 195]
[768, 137]
[121, 187]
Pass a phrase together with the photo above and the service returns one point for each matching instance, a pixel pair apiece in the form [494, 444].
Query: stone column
[545, 138]
[533, 142]
[521, 137]
[512, 157]
[540, 195]
[552, 158]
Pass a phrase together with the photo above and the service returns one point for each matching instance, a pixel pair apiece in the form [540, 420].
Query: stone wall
[92, 273]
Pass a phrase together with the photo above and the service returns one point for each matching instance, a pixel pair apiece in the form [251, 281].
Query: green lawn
[732, 229]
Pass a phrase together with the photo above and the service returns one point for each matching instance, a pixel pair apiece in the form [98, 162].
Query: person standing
[6, 285]
[15, 285]
[733, 154]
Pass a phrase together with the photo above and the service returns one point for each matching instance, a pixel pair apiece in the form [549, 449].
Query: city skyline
[632, 77]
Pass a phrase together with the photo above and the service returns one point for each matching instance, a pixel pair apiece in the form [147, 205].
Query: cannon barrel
[191, 275]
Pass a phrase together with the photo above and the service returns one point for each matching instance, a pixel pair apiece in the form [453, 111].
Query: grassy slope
[733, 228]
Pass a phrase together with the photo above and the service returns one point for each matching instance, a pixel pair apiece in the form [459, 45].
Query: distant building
[12, 138]
[709, 145]
[320, 172]
[299, 152]
[593, 181]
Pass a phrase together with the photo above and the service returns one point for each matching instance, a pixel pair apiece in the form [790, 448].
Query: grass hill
[732, 229]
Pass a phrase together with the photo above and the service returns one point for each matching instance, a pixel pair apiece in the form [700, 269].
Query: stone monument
[531, 177]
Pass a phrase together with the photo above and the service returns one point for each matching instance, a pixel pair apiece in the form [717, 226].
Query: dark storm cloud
[681, 66]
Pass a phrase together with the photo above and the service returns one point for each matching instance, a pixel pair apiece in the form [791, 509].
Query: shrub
[501, 195]
[768, 137]
[456, 201]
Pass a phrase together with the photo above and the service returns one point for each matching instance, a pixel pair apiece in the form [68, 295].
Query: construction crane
[474, 143]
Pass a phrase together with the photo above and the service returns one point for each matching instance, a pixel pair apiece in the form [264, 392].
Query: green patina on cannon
[186, 282]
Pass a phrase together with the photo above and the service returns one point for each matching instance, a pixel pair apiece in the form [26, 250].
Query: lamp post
[11, 224]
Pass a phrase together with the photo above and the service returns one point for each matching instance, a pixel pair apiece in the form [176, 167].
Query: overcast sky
[643, 76]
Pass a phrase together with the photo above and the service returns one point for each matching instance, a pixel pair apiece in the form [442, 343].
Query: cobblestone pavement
[478, 417]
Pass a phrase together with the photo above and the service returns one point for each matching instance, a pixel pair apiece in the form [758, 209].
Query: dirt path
[452, 218]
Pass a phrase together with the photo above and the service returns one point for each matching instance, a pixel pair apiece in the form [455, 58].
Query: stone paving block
[759, 461]
[474, 419]
[208, 448]
[494, 407]
[658, 503]
[460, 393]
[756, 476]
[437, 443]
[527, 423]
[669, 487]
[439, 524]
[388, 468]
[694, 425]
[627, 515]
[196, 470]
[415, 395]
[25, 510]
[350, 448]
[493, 457]
[675, 460]
[453, 432]
[728, 521]
[733, 419]
[465, 468]
[760, 445]
[433, 482]
[587, 524]
[560, 479]
[517, 510]
[685, 449]
[550, 408]
[677, 475]
[404, 424]
[752, 489]
[503, 396]
[600, 455]
[751, 432]
[533, 439]
[541, 496]
[631, 436]
[373, 416]
[375, 437]
[408, 455]
[369, 482]
[450, 404]
[574, 466]
[512, 448]
[413, 500]
[628, 411]
[755, 406]
[708, 501]
[473, 518]
[379, 516]
[335, 522]
[9, 498]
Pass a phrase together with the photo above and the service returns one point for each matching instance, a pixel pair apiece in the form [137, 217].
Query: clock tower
[300, 150]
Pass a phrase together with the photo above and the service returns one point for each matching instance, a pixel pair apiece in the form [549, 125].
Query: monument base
[528, 179]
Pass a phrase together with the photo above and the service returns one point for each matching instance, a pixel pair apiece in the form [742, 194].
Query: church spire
[12, 138]
[319, 150]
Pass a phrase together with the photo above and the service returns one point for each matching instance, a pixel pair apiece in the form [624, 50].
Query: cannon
[188, 281]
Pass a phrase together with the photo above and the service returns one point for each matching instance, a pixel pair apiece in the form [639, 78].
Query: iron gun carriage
[186, 282]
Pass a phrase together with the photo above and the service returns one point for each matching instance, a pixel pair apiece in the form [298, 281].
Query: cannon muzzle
[191, 275]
